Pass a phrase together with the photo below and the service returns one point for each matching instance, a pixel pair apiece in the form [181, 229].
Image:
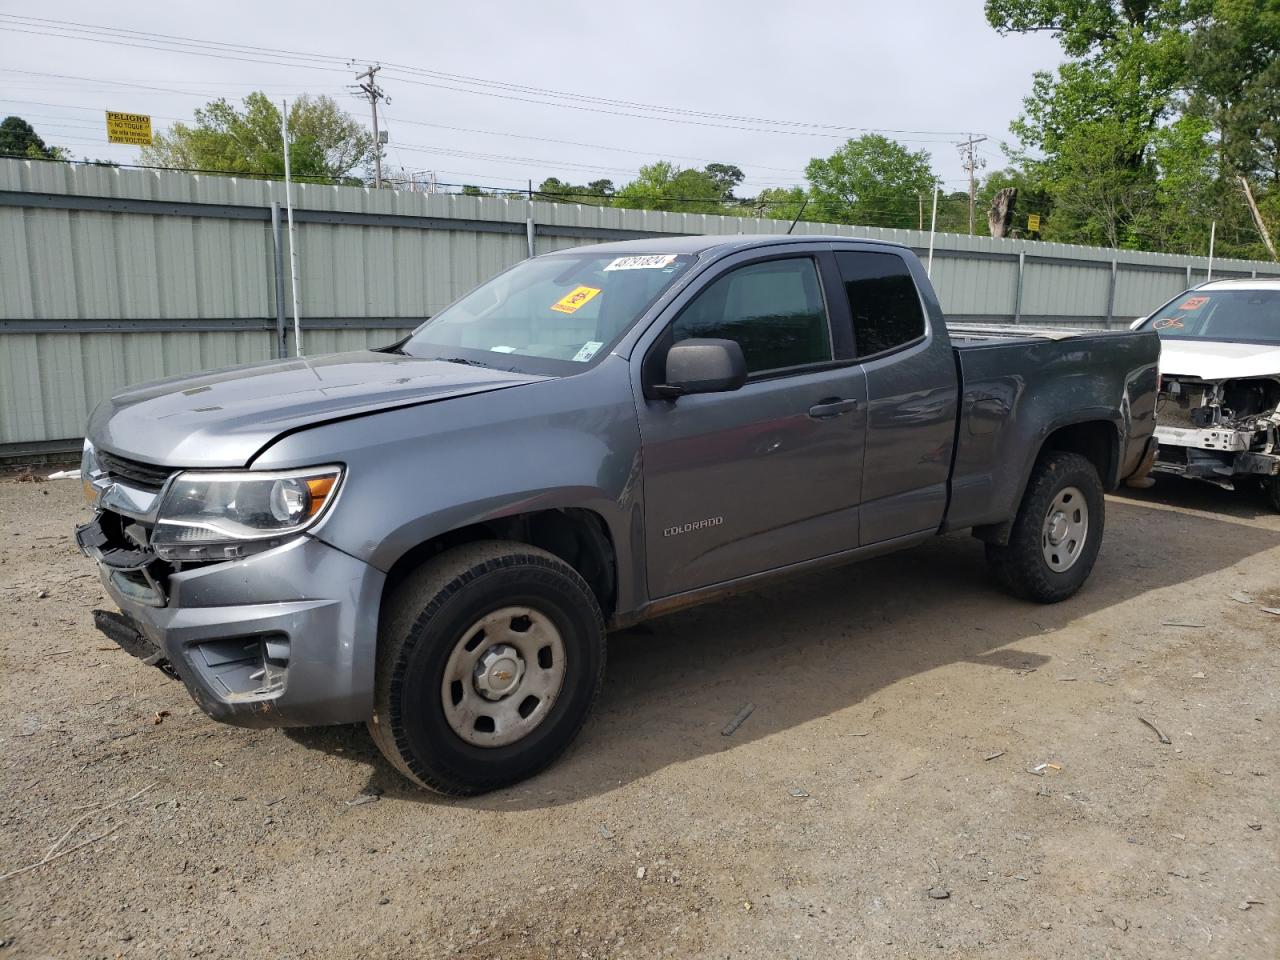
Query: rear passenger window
[774, 310]
[883, 300]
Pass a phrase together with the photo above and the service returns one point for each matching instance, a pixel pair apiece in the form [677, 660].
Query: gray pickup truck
[434, 538]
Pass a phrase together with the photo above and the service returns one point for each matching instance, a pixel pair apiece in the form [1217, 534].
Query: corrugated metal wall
[110, 277]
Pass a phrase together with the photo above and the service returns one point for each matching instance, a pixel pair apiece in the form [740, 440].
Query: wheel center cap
[499, 671]
[1057, 528]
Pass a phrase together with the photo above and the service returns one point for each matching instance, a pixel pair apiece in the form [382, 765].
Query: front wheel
[1271, 487]
[489, 658]
[1057, 533]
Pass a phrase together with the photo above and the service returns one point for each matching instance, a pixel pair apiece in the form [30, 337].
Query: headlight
[217, 516]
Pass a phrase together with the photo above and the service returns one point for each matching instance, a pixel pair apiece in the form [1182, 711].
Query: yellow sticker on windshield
[575, 299]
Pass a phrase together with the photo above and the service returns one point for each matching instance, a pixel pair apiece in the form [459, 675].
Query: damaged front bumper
[1217, 431]
[286, 637]
[1219, 461]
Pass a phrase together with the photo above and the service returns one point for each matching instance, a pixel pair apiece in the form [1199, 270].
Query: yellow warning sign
[1033, 222]
[576, 298]
[132, 128]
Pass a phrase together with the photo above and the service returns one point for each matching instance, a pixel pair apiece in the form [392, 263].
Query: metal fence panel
[111, 277]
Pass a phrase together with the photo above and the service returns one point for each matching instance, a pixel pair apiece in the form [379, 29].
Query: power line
[577, 143]
[167, 43]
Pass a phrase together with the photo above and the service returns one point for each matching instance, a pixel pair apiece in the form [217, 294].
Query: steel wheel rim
[503, 676]
[1065, 530]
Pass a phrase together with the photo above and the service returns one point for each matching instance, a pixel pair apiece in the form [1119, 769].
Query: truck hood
[224, 418]
[1218, 360]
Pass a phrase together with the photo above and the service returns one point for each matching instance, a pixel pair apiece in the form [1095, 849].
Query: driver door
[768, 475]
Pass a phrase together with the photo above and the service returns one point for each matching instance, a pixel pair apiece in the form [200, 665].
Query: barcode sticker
[655, 261]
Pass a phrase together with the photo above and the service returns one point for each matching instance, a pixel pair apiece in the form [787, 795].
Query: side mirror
[703, 366]
[1137, 323]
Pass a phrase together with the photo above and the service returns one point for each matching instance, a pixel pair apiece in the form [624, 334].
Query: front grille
[145, 475]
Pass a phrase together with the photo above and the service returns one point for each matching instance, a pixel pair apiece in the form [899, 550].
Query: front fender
[414, 474]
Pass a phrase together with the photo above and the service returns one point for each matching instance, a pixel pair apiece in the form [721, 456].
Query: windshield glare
[558, 311]
[1245, 316]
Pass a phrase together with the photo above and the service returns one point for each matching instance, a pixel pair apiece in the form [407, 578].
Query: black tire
[425, 618]
[1020, 566]
[1271, 487]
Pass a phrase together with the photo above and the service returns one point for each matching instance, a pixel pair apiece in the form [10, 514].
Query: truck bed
[1017, 382]
[968, 335]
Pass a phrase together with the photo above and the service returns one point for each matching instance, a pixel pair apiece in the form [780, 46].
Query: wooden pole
[1257, 218]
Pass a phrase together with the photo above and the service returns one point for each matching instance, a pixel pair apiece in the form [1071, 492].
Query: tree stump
[1000, 216]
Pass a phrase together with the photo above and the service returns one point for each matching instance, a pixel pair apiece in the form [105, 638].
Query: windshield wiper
[462, 360]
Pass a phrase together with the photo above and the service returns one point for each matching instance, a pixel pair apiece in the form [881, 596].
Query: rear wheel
[489, 658]
[1057, 532]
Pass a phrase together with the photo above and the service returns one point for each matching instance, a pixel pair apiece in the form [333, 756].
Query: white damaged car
[1218, 411]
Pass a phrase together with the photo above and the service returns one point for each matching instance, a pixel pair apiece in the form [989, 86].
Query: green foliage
[597, 192]
[1139, 137]
[781, 203]
[1234, 69]
[19, 139]
[665, 186]
[325, 143]
[726, 176]
[871, 180]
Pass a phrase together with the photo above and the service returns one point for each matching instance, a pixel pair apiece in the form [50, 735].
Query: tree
[781, 203]
[1099, 196]
[19, 139]
[1233, 72]
[325, 142]
[665, 186]
[726, 176]
[596, 193]
[873, 181]
[1088, 133]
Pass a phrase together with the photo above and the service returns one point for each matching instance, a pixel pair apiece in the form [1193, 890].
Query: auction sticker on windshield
[1193, 303]
[575, 299]
[654, 261]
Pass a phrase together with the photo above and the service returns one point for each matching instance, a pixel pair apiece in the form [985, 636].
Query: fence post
[277, 243]
[1017, 293]
[1111, 292]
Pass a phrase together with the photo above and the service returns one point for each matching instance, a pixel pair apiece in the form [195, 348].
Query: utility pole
[971, 164]
[374, 93]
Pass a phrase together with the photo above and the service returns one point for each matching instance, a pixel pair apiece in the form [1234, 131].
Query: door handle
[833, 407]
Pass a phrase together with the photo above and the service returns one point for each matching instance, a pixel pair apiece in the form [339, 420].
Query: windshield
[1241, 316]
[551, 314]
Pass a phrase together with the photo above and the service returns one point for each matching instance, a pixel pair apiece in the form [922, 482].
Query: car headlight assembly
[225, 515]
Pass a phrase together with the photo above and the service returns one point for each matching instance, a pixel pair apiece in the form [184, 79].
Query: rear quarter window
[883, 300]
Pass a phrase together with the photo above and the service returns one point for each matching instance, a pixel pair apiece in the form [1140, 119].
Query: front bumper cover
[283, 638]
[1215, 454]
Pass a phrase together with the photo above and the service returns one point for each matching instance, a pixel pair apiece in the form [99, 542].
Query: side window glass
[774, 310]
[883, 300]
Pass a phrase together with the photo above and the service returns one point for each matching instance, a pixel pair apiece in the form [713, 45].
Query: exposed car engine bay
[1218, 430]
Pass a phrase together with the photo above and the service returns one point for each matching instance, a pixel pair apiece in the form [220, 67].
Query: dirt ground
[877, 803]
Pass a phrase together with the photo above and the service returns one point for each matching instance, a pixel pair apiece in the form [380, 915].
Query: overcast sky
[932, 67]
